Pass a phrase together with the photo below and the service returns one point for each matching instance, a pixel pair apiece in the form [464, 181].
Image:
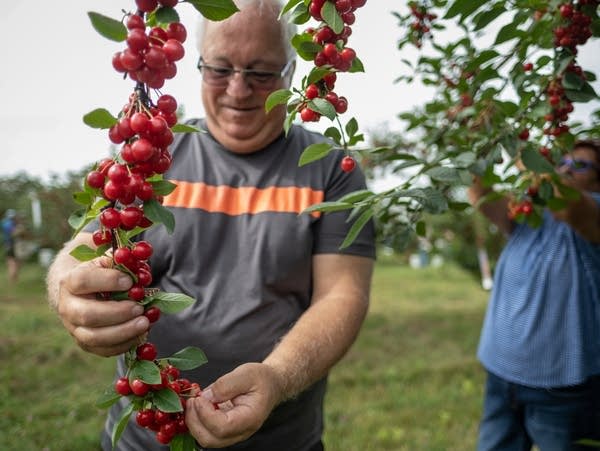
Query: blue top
[542, 325]
[8, 227]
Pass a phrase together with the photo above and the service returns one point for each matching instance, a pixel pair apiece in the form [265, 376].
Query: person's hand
[245, 396]
[102, 327]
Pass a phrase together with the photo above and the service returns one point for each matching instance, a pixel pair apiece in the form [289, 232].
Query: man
[540, 341]
[278, 303]
[9, 232]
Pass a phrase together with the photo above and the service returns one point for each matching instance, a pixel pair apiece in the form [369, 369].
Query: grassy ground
[411, 382]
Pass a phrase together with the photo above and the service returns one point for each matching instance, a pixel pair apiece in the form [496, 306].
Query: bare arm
[496, 211]
[317, 341]
[101, 327]
[583, 215]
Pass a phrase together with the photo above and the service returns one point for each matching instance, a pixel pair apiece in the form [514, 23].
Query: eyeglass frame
[585, 165]
[281, 74]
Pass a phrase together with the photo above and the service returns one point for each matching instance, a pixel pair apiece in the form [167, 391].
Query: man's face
[235, 111]
[582, 168]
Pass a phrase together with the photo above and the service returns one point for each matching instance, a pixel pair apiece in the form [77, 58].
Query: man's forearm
[325, 331]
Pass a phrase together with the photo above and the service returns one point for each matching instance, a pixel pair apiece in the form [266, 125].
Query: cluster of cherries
[333, 55]
[166, 425]
[143, 130]
[421, 26]
[151, 54]
[575, 29]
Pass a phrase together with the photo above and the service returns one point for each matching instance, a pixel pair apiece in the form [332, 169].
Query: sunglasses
[259, 79]
[578, 165]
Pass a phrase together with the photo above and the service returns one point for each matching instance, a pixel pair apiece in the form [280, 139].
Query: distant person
[9, 236]
[540, 342]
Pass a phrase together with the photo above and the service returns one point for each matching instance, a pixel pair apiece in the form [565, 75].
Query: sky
[56, 68]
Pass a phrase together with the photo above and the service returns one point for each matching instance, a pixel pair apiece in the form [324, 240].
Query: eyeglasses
[578, 165]
[258, 79]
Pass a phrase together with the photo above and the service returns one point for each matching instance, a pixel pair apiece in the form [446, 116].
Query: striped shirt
[542, 325]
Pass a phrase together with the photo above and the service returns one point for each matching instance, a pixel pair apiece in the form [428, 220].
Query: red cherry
[122, 256]
[139, 387]
[173, 49]
[101, 237]
[95, 179]
[342, 105]
[135, 21]
[176, 30]
[312, 91]
[136, 293]
[142, 250]
[139, 122]
[145, 418]
[153, 314]
[348, 164]
[308, 115]
[130, 217]
[146, 5]
[110, 218]
[146, 351]
[527, 67]
[122, 386]
[524, 134]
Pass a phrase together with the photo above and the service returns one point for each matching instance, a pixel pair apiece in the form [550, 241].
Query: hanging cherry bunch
[124, 196]
[325, 45]
[420, 28]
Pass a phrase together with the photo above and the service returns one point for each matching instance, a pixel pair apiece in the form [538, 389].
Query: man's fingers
[82, 312]
[94, 278]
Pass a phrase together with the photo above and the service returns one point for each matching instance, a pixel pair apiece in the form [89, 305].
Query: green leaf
[121, 424]
[357, 66]
[166, 15]
[83, 253]
[163, 187]
[334, 133]
[507, 33]
[444, 174]
[358, 225]
[356, 196]
[107, 398]
[421, 228]
[305, 47]
[188, 358]
[584, 94]
[329, 206]
[572, 81]
[279, 97]
[185, 128]
[100, 118]
[535, 162]
[156, 213]
[316, 74]
[109, 28]
[145, 370]
[464, 8]
[314, 152]
[183, 442]
[352, 127]
[288, 6]
[167, 400]
[332, 17]
[171, 302]
[214, 9]
[556, 203]
[486, 17]
[83, 198]
[323, 107]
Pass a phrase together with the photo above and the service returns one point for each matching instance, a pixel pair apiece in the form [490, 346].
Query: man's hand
[246, 396]
[102, 327]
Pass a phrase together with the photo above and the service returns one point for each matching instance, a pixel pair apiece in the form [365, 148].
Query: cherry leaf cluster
[123, 195]
[326, 46]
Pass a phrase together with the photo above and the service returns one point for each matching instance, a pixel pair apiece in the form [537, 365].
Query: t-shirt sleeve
[332, 228]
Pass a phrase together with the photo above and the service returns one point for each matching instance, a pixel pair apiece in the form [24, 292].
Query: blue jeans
[516, 417]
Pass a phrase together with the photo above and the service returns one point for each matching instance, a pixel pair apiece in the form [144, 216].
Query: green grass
[411, 382]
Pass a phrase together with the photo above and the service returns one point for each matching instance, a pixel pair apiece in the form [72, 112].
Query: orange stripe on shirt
[243, 200]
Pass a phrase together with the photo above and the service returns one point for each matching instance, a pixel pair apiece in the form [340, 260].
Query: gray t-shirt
[243, 251]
